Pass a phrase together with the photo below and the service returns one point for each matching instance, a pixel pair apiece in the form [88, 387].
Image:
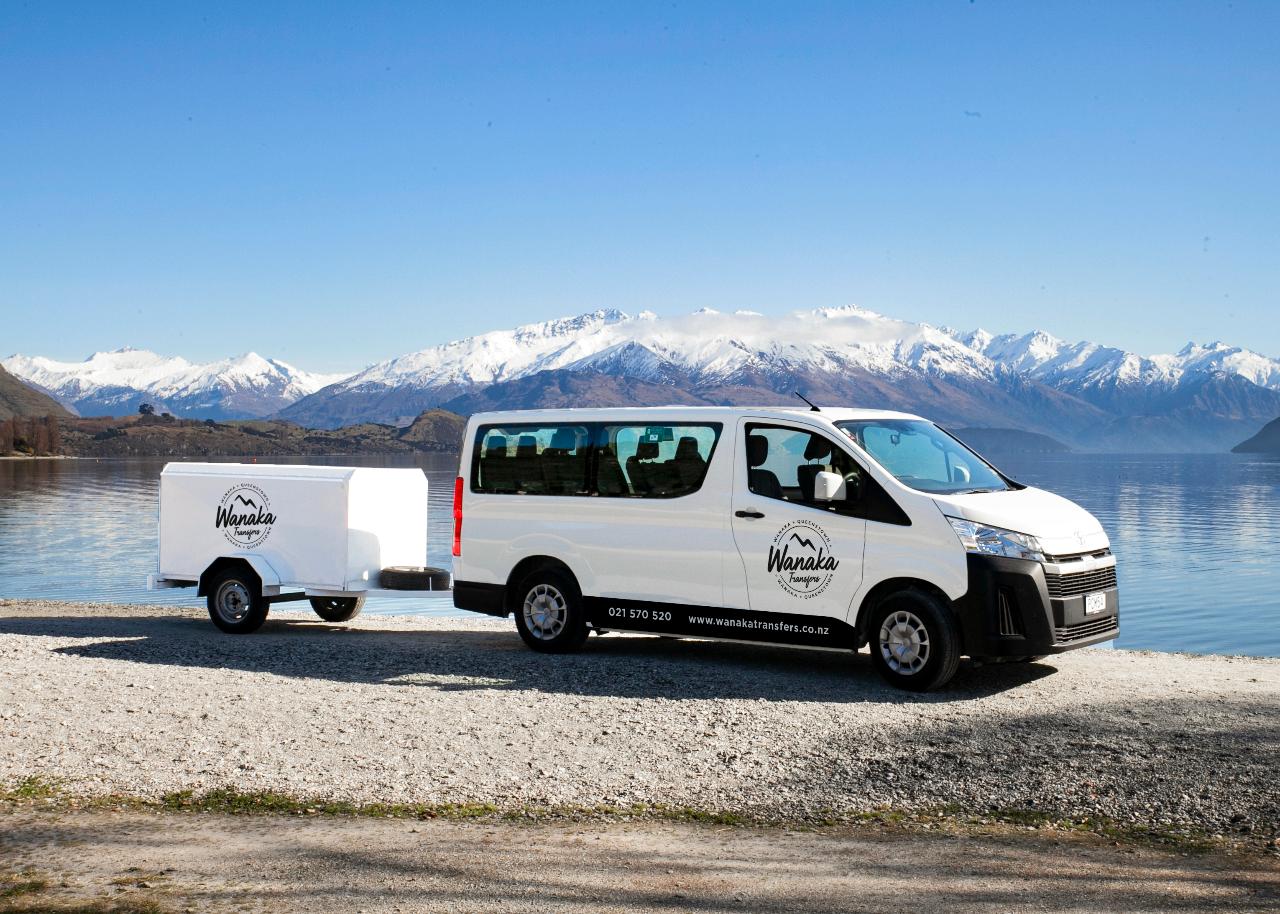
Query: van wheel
[337, 609]
[915, 643]
[549, 612]
[236, 604]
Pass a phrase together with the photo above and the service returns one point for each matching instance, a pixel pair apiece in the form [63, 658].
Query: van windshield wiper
[978, 491]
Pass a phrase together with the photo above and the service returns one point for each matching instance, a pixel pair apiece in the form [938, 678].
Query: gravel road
[146, 700]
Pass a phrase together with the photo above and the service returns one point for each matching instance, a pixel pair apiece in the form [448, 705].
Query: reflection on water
[86, 529]
[1198, 537]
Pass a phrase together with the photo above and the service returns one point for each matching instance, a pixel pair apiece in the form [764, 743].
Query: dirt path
[199, 862]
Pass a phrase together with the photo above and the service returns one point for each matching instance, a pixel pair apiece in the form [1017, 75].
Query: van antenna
[812, 408]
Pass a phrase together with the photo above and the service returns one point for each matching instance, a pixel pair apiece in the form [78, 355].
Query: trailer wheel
[337, 609]
[915, 642]
[549, 613]
[236, 604]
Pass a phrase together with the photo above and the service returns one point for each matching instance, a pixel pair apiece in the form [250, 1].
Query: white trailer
[245, 533]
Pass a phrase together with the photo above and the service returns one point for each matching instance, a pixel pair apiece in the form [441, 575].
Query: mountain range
[117, 383]
[1203, 398]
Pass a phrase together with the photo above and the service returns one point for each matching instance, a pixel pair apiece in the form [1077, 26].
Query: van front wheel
[549, 614]
[915, 643]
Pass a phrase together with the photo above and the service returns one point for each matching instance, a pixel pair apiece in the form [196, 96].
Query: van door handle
[747, 514]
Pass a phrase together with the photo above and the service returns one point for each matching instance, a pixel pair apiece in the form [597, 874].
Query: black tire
[407, 577]
[337, 609]
[235, 601]
[549, 613]
[915, 641]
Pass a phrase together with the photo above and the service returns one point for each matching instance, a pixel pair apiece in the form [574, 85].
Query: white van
[820, 529]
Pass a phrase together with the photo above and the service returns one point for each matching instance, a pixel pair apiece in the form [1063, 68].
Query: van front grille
[1072, 585]
[1069, 634]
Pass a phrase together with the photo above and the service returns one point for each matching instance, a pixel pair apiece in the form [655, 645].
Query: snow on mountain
[1085, 365]
[704, 345]
[111, 383]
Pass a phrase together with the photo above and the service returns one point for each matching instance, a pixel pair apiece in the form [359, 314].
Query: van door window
[784, 463]
[653, 461]
[532, 459]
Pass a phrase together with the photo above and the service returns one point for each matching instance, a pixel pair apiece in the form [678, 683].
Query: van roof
[678, 413]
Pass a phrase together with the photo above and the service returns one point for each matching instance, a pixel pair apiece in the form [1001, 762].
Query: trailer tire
[337, 609]
[915, 641]
[549, 613]
[235, 601]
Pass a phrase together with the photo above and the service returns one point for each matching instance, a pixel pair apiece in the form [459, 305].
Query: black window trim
[594, 429]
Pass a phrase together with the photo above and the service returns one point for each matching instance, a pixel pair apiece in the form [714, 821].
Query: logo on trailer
[244, 516]
[800, 557]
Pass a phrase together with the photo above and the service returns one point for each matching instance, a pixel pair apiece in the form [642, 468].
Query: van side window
[784, 463]
[532, 459]
[653, 461]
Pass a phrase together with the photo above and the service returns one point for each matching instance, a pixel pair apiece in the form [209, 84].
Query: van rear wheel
[235, 601]
[549, 612]
[915, 642]
[337, 609]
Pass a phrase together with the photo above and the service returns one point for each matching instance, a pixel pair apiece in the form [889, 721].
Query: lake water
[1198, 537]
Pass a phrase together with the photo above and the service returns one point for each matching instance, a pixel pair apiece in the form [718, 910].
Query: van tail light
[457, 516]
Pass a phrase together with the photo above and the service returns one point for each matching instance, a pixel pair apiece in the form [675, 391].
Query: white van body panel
[330, 529]
[1062, 526]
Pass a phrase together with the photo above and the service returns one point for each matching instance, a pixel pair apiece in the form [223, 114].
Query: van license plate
[1095, 603]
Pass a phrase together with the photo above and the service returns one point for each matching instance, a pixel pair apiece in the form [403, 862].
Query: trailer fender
[261, 567]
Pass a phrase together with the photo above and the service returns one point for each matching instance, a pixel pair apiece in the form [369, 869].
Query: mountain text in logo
[800, 557]
[244, 516]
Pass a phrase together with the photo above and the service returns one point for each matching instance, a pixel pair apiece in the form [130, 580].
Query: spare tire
[411, 577]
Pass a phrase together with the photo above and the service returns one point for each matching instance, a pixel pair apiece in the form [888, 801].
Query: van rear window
[604, 459]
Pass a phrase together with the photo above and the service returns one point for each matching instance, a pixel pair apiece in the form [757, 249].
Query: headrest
[564, 439]
[687, 449]
[527, 447]
[757, 450]
[647, 450]
[818, 446]
[495, 446]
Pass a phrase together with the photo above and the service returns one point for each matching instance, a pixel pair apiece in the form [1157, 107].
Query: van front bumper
[1008, 610]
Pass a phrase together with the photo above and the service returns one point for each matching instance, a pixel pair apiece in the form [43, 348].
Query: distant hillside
[1267, 441]
[164, 436]
[18, 399]
[1009, 441]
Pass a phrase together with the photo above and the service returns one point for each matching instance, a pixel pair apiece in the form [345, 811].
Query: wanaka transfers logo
[244, 516]
[801, 558]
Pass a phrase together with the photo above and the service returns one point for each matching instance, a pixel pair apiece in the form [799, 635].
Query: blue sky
[339, 183]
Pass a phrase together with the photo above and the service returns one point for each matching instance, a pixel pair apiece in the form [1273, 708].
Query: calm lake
[1198, 537]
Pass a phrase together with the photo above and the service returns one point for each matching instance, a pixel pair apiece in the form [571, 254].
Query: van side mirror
[829, 486]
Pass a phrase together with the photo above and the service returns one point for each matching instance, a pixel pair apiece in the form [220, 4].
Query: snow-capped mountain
[1119, 380]
[699, 349]
[116, 383]
[1201, 398]
[1084, 392]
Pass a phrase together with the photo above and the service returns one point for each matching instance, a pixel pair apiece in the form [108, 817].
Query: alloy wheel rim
[545, 612]
[232, 601]
[904, 642]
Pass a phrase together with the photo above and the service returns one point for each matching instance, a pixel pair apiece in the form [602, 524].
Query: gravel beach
[145, 701]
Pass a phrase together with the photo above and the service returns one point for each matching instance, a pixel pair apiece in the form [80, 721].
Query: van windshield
[923, 456]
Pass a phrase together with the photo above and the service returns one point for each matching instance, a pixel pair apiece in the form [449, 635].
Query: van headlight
[988, 540]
